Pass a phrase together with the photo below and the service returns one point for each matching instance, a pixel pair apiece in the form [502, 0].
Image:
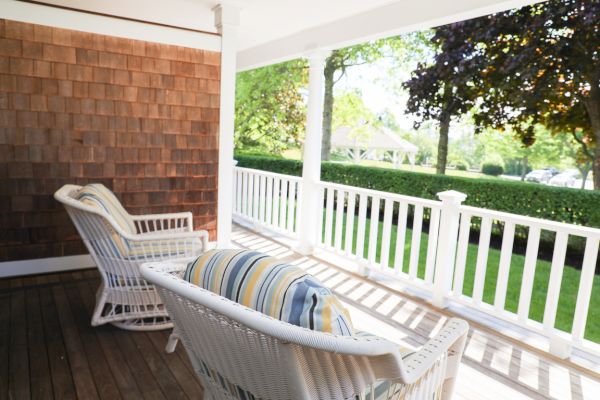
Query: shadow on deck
[494, 366]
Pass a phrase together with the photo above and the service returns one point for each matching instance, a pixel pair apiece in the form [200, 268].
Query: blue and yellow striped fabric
[271, 287]
[98, 195]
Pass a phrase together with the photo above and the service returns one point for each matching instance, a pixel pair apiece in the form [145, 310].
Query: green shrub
[580, 207]
[462, 166]
[492, 169]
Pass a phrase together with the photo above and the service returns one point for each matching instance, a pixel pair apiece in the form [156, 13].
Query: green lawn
[568, 293]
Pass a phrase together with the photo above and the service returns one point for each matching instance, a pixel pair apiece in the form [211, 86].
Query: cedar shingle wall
[75, 107]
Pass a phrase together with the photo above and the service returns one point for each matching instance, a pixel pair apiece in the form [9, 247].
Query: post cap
[452, 196]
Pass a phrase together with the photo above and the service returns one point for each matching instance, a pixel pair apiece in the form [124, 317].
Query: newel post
[447, 242]
[310, 209]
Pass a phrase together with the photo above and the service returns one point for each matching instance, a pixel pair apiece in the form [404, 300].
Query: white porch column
[311, 210]
[227, 21]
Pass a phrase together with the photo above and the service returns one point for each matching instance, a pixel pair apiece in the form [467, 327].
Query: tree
[543, 66]
[351, 111]
[445, 88]
[270, 111]
[399, 48]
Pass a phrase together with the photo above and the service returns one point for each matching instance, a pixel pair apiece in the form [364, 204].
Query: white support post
[447, 242]
[311, 210]
[227, 21]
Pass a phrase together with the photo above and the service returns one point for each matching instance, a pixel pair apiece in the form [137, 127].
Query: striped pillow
[271, 287]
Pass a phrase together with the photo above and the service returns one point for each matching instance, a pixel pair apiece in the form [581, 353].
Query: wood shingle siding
[77, 107]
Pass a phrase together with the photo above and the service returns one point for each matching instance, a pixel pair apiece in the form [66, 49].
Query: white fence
[267, 199]
[426, 243]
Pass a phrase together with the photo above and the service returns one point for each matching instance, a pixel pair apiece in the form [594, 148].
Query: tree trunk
[584, 174]
[442, 154]
[592, 105]
[327, 110]
[596, 163]
[524, 167]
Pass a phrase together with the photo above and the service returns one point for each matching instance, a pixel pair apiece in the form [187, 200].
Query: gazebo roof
[379, 138]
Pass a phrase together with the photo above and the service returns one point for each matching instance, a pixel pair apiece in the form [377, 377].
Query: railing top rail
[384, 195]
[545, 224]
[271, 174]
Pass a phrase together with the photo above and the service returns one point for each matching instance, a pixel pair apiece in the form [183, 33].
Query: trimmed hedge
[580, 207]
[492, 169]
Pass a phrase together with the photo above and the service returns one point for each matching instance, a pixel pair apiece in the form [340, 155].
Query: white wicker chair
[124, 298]
[239, 353]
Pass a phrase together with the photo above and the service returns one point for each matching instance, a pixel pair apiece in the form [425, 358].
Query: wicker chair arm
[450, 340]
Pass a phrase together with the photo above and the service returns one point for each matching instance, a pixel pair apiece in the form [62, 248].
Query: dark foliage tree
[543, 66]
[446, 87]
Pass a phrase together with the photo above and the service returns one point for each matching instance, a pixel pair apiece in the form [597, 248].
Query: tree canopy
[270, 110]
[543, 66]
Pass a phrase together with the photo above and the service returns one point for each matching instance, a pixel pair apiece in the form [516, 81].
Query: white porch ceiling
[278, 30]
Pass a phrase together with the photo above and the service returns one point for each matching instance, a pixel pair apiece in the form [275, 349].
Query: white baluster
[386, 234]
[350, 222]
[508, 238]
[373, 231]
[482, 257]
[400, 237]
[339, 219]
[533, 243]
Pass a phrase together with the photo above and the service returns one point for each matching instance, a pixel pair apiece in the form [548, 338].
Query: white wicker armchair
[239, 353]
[124, 298]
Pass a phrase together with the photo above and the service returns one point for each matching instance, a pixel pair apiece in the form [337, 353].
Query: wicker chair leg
[100, 303]
[172, 343]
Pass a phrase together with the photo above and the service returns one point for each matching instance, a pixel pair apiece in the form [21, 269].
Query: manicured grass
[568, 293]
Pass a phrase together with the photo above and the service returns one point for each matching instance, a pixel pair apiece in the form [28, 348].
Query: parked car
[539, 176]
[552, 170]
[566, 178]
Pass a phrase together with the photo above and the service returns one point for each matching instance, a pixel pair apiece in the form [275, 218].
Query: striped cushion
[271, 287]
[158, 249]
[99, 196]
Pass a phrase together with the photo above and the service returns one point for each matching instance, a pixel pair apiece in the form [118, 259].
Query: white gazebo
[373, 142]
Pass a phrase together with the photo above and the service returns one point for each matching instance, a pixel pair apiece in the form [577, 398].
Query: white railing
[267, 199]
[425, 243]
[347, 229]
[560, 341]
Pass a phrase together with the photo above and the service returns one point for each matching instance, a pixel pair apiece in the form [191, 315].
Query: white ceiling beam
[390, 20]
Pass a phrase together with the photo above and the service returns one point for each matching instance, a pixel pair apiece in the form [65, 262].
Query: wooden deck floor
[49, 350]
[494, 366]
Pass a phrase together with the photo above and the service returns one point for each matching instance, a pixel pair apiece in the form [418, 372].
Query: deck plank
[62, 380]
[99, 367]
[184, 377]
[18, 363]
[5, 329]
[39, 368]
[124, 378]
[80, 368]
